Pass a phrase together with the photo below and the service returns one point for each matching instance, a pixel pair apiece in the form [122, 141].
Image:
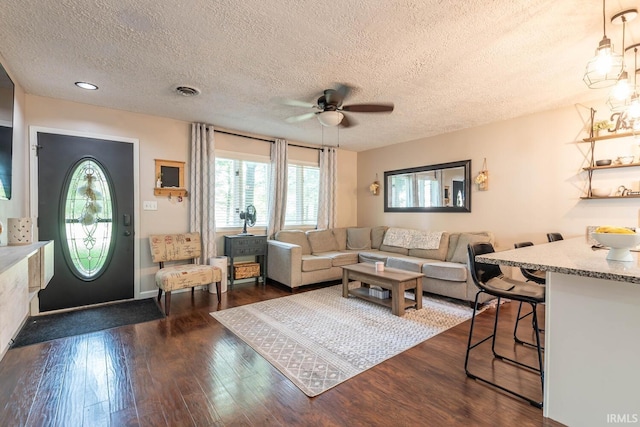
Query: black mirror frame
[467, 185]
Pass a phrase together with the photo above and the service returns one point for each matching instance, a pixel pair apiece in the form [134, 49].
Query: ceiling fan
[331, 109]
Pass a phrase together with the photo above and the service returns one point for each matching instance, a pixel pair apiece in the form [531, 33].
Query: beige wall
[535, 178]
[162, 138]
[18, 206]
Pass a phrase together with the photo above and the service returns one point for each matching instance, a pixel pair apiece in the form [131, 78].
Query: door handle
[127, 233]
[126, 220]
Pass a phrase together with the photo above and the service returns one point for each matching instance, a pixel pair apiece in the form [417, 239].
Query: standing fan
[249, 216]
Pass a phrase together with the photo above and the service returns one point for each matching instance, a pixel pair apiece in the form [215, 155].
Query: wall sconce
[482, 179]
[374, 188]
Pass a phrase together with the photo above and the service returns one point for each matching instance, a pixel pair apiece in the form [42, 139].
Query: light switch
[148, 205]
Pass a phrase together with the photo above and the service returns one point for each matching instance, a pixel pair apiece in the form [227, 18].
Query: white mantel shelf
[592, 316]
[572, 256]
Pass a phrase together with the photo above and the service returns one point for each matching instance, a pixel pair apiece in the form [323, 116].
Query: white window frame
[245, 157]
[297, 225]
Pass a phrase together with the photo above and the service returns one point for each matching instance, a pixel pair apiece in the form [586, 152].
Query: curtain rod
[266, 140]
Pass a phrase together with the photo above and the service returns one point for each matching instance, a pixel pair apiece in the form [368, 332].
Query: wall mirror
[444, 187]
[6, 133]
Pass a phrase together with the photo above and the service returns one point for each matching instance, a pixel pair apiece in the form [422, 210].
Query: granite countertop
[572, 256]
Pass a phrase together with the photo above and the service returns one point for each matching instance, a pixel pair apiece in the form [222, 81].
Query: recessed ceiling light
[87, 86]
[187, 90]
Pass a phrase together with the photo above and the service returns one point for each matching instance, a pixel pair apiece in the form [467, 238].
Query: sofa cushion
[322, 241]
[314, 263]
[439, 254]
[373, 256]
[340, 258]
[341, 238]
[394, 249]
[358, 238]
[449, 271]
[295, 237]
[461, 253]
[407, 263]
[453, 243]
[377, 236]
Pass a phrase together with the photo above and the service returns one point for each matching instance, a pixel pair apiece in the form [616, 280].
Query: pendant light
[605, 67]
[619, 96]
[633, 107]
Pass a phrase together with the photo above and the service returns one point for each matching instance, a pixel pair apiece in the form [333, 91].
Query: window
[241, 182]
[88, 218]
[302, 195]
[243, 179]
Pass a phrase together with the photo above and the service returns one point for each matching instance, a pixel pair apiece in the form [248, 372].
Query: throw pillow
[439, 254]
[322, 241]
[377, 235]
[461, 254]
[358, 238]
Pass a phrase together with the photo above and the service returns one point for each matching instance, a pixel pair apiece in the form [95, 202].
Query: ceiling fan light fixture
[330, 118]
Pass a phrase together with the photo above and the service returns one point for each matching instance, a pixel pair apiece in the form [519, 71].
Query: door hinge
[37, 148]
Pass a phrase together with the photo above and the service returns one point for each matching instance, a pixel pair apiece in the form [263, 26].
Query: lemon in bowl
[619, 243]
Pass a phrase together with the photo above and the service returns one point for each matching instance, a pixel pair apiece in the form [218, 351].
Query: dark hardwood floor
[189, 370]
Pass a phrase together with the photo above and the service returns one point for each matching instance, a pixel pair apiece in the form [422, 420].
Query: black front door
[85, 205]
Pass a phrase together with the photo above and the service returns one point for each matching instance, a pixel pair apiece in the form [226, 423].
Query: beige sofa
[296, 258]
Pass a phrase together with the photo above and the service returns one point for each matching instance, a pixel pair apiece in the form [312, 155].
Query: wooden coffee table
[393, 279]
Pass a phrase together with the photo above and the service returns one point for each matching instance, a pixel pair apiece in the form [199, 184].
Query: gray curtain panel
[328, 183]
[278, 187]
[202, 185]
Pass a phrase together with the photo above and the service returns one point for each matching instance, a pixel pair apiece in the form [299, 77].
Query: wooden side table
[246, 245]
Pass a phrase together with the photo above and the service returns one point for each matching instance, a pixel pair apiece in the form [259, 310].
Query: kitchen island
[592, 331]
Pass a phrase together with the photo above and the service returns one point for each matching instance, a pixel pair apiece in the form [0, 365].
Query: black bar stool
[535, 276]
[490, 280]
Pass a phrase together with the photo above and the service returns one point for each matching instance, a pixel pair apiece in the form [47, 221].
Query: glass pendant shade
[604, 68]
[620, 94]
[330, 118]
[633, 110]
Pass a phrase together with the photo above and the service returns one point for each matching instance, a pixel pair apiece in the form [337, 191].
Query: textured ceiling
[446, 65]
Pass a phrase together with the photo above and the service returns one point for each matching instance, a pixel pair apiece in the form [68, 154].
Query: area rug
[319, 339]
[60, 325]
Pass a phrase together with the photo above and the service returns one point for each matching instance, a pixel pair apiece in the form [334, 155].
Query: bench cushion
[187, 276]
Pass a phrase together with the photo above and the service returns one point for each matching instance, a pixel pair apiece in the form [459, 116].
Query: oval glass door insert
[88, 219]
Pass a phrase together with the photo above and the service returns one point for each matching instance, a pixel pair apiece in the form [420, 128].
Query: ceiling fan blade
[300, 118]
[368, 108]
[295, 103]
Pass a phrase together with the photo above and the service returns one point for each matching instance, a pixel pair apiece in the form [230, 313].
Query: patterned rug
[319, 339]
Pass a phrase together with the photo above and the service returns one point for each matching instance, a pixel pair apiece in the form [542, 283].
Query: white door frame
[33, 186]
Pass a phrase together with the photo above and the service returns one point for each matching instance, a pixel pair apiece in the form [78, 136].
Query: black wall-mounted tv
[6, 133]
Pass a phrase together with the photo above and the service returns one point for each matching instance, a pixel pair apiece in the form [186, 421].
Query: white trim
[33, 186]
